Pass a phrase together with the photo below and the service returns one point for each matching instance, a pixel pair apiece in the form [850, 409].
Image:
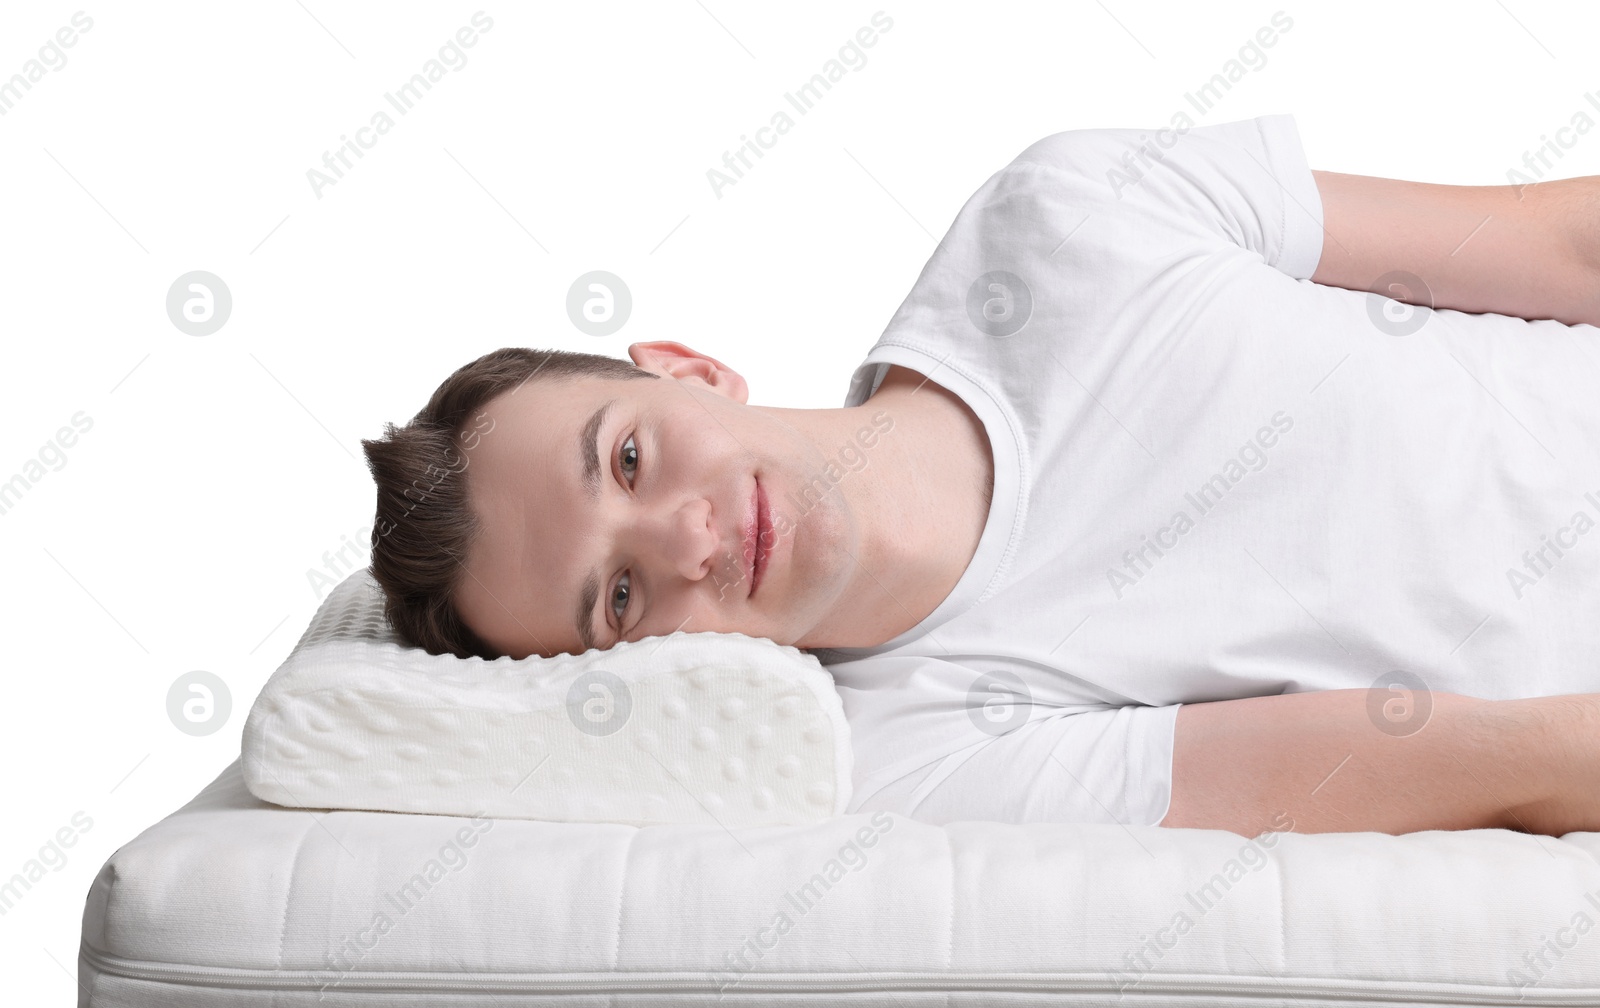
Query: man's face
[677, 459]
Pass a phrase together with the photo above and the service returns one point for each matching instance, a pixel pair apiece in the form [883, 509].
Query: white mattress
[232, 901]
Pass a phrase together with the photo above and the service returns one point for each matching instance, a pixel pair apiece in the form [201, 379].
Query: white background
[180, 531]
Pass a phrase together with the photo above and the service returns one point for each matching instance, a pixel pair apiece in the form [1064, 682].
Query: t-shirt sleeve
[1105, 765]
[1242, 184]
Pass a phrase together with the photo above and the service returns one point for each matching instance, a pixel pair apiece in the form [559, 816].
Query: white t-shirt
[1213, 479]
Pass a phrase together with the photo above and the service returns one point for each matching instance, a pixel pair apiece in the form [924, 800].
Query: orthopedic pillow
[706, 728]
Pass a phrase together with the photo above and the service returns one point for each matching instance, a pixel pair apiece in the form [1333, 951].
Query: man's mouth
[763, 538]
[757, 538]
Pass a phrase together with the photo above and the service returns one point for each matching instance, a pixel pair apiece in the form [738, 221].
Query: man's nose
[680, 537]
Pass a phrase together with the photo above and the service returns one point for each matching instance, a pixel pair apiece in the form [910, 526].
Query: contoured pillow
[704, 727]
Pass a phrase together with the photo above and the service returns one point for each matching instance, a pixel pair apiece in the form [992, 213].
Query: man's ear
[674, 360]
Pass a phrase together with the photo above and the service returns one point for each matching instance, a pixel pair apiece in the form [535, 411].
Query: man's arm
[1340, 761]
[1532, 251]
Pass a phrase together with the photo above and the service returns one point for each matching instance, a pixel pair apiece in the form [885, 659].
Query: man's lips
[763, 538]
[756, 524]
[749, 529]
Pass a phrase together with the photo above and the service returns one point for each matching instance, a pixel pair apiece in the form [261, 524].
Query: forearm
[1547, 761]
[1531, 251]
[1358, 760]
[1570, 295]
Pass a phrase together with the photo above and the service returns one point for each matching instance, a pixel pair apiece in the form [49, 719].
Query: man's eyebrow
[589, 454]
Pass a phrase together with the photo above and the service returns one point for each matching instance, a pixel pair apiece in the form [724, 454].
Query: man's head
[493, 530]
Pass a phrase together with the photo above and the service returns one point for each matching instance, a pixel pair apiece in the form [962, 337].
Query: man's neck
[916, 501]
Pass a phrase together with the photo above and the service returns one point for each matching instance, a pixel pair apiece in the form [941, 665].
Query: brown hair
[424, 524]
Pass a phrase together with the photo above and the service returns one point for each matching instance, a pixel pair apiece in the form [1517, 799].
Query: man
[1139, 511]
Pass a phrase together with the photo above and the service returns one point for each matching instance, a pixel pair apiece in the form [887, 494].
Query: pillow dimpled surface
[713, 728]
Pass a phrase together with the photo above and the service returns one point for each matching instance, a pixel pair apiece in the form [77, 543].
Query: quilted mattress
[233, 901]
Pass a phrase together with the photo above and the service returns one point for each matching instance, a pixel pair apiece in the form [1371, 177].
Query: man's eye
[628, 460]
[630, 466]
[624, 592]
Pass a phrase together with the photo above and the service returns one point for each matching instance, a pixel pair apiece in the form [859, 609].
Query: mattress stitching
[622, 895]
[1283, 910]
[294, 873]
[950, 947]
